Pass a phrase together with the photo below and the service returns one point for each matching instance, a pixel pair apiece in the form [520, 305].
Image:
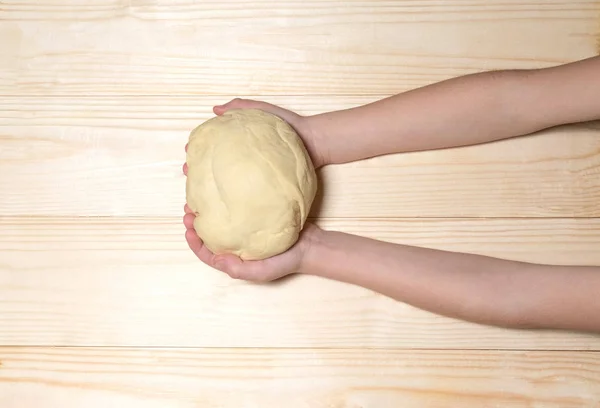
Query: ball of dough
[250, 182]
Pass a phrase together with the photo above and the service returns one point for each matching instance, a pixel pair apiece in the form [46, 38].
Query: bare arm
[467, 110]
[469, 287]
[463, 111]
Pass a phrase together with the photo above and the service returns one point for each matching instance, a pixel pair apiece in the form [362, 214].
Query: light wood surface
[155, 47]
[133, 282]
[100, 377]
[97, 99]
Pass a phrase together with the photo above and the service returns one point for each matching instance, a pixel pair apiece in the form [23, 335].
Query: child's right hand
[294, 260]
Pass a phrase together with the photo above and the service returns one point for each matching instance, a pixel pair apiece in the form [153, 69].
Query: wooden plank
[122, 156]
[114, 282]
[150, 47]
[560, 241]
[100, 377]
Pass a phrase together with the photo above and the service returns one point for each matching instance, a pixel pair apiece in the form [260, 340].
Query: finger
[188, 221]
[255, 271]
[238, 103]
[187, 209]
[186, 146]
[268, 269]
[198, 247]
[231, 265]
[185, 168]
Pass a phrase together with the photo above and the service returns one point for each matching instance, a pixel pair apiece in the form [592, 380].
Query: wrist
[313, 251]
[317, 143]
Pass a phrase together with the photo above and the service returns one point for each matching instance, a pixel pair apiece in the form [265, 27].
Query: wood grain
[97, 98]
[152, 47]
[316, 378]
[133, 282]
[561, 241]
[121, 156]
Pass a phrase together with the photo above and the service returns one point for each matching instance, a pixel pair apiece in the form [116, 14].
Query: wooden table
[103, 305]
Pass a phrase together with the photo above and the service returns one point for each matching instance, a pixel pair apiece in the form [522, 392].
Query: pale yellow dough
[250, 182]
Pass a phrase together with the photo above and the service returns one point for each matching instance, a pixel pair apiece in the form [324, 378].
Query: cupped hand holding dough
[250, 182]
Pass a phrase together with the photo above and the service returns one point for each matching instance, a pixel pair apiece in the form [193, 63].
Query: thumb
[239, 103]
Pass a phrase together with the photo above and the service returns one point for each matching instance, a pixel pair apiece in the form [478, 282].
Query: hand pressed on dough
[250, 182]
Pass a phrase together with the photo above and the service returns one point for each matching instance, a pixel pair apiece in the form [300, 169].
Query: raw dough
[250, 182]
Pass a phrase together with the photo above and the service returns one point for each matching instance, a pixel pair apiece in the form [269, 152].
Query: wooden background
[103, 305]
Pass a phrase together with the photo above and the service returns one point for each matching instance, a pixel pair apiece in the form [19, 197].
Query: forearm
[469, 287]
[463, 111]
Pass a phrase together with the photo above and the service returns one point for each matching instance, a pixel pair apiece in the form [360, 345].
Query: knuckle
[234, 273]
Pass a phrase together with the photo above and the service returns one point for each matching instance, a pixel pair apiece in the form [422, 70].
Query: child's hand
[291, 261]
[316, 148]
